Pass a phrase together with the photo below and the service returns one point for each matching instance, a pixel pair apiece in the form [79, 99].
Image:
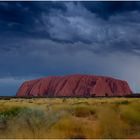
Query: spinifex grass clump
[83, 110]
[110, 125]
[8, 114]
[29, 123]
[131, 115]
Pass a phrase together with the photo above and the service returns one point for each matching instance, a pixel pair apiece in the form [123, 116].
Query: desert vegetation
[70, 118]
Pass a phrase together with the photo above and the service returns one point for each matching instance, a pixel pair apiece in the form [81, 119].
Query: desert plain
[73, 118]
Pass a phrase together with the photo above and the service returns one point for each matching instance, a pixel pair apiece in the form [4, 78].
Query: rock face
[75, 86]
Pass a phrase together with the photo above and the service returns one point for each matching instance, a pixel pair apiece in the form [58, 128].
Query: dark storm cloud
[71, 22]
[55, 38]
[108, 8]
[85, 21]
[24, 18]
[85, 26]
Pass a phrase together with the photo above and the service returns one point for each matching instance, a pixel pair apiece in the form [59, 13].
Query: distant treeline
[136, 95]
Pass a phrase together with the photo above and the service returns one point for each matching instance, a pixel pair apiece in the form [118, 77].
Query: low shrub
[110, 126]
[8, 114]
[65, 128]
[27, 123]
[130, 114]
[124, 102]
[83, 111]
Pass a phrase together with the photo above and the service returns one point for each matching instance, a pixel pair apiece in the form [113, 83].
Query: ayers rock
[75, 86]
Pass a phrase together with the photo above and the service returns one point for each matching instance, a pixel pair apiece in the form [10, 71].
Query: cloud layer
[56, 38]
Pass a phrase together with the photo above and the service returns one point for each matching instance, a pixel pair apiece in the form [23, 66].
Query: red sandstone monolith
[75, 86]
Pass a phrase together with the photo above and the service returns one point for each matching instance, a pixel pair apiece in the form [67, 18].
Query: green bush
[9, 113]
[26, 123]
[125, 102]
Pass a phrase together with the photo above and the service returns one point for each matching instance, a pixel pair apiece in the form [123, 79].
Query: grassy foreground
[70, 118]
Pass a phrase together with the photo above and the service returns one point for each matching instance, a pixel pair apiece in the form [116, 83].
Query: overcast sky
[38, 39]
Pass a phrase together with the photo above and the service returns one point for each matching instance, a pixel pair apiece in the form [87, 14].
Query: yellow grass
[70, 118]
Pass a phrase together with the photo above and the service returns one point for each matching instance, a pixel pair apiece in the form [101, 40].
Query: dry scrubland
[70, 118]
